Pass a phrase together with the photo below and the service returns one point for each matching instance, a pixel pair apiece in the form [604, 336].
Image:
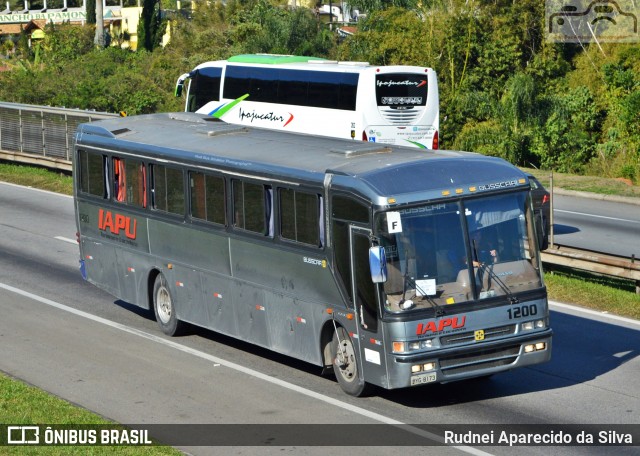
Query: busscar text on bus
[383, 265]
[352, 100]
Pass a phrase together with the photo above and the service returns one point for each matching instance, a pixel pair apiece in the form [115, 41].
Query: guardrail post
[66, 136]
[44, 143]
[20, 128]
[551, 242]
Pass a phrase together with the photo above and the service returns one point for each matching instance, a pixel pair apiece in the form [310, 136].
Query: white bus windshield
[437, 257]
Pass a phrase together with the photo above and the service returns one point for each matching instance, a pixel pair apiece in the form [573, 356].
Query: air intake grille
[482, 359]
[400, 116]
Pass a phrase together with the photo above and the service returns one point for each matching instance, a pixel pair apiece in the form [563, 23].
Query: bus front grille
[478, 360]
[470, 336]
[400, 116]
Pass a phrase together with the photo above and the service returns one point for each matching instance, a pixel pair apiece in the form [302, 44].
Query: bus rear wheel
[345, 365]
[164, 308]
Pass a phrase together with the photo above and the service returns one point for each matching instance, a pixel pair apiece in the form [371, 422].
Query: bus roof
[272, 59]
[374, 170]
[312, 64]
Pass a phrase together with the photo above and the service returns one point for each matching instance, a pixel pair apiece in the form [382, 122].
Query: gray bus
[386, 266]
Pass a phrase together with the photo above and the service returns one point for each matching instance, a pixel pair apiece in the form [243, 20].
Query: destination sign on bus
[401, 100]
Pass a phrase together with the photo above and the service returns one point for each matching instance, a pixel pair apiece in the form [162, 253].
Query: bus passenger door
[366, 307]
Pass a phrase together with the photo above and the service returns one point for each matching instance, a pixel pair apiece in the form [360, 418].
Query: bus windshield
[438, 257]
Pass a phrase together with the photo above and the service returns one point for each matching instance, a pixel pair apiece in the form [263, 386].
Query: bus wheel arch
[326, 347]
[164, 306]
[151, 280]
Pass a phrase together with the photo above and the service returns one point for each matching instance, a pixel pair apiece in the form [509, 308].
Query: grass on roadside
[21, 404]
[598, 292]
[41, 178]
[593, 184]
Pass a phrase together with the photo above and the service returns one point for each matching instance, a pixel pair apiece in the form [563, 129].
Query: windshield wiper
[489, 268]
[404, 304]
[503, 286]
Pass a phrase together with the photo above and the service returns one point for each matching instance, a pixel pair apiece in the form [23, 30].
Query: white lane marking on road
[352, 408]
[597, 216]
[64, 239]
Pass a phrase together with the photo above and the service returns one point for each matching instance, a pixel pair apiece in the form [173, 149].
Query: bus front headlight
[531, 325]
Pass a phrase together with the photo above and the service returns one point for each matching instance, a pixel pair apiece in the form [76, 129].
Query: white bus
[353, 100]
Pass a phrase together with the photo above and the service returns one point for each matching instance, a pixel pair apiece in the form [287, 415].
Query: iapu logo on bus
[440, 325]
[115, 223]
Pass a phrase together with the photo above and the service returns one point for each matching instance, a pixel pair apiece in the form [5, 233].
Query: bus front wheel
[164, 308]
[345, 365]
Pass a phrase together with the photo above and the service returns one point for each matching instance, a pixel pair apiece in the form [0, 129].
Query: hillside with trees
[504, 89]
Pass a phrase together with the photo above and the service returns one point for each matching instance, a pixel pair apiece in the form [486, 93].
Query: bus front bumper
[469, 361]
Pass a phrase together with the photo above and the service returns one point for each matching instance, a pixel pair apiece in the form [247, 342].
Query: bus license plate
[423, 378]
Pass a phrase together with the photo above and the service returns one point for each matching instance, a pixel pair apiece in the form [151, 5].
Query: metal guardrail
[44, 136]
[41, 135]
[599, 263]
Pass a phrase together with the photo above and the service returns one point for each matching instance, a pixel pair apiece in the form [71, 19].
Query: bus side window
[168, 189]
[252, 207]
[237, 82]
[324, 90]
[92, 171]
[292, 88]
[130, 181]
[206, 86]
[208, 198]
[348, 91]
[118, 179]
[264, 85]
[345, 210]
[300, 219]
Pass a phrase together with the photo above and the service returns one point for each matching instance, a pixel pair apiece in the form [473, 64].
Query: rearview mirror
[378, 264]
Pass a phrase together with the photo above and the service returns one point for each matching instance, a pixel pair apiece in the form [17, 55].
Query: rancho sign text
[75, 16]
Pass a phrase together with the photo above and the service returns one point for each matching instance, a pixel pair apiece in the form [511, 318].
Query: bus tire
[164, 307]
[345, 365]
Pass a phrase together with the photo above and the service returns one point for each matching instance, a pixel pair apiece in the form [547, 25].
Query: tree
[91, 11]
[267, 27]
[151, 27]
